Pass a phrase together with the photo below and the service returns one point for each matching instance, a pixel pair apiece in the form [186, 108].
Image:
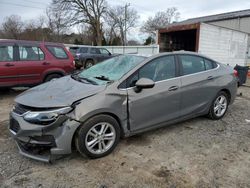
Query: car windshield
[111, 70]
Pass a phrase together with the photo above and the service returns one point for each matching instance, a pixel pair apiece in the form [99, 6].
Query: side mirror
[144, 83]
[110, 54]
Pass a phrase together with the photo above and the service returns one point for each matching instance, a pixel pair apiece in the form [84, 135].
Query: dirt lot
[195, 153]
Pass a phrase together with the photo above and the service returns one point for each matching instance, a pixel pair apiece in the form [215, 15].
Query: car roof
[29, 42]
[182, 52]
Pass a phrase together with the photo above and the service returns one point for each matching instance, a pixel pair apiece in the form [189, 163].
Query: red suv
[27, 63]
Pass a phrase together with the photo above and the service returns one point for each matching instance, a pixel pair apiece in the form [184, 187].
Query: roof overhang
[180, 28]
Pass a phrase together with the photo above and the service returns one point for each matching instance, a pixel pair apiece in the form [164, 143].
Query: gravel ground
[195, 153]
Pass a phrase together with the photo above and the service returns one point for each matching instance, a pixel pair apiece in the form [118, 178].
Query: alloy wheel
[220, 105]
[88, 65]
[100, 138]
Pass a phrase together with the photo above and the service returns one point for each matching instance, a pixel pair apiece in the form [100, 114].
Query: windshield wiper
[102, 77]
[83, 79]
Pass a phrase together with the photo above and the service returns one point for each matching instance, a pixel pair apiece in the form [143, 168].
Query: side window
[162, 68]
[104, 51]
[58, 52]
[84, 50]
[192, 64]
[208, 64]
[6, 53]
[132, 80]
[30, 53]
[95, 51]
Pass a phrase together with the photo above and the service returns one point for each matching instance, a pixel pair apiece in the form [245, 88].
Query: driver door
[159, 104]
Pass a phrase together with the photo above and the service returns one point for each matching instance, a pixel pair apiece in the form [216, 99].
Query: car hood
[58, 93]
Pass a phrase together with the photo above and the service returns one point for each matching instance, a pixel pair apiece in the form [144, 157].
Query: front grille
[19, 109]
[14, 125]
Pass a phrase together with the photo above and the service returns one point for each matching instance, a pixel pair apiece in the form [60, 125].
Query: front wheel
[98, 136]
[219, 106]
[89, 63]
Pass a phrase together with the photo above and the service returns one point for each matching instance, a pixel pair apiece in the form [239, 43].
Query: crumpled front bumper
[43, 143]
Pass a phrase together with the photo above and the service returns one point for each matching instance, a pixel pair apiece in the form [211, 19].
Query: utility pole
[125, 29]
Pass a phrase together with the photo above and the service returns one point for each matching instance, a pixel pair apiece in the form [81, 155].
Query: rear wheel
[219, 106]
[52, 77]
[5, 89]
[89, 63]
[98, 136]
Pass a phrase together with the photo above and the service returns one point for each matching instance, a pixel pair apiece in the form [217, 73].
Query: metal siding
[143, 50]
[224, 45]
[240, 24]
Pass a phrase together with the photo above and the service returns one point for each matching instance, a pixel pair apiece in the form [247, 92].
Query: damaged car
[126, 95]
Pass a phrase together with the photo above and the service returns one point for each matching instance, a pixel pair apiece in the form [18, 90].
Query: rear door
[31, 63]
[8, 72]
[198, 87]
[160, 103]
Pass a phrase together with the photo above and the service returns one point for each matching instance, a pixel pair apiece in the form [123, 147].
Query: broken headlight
[45, 117]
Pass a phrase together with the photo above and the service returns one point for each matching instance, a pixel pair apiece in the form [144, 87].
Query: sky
[30, 9]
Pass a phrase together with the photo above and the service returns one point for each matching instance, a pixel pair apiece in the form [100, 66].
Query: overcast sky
[30, 9]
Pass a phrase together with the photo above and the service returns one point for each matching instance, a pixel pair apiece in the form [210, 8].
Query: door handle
[210, 78]
[173, 88]
[46, 63]
[9, 65]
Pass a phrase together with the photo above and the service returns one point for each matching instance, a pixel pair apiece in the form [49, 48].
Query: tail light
[236, 73]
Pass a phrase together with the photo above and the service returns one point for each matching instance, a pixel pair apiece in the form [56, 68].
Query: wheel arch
[102, 113]
[227, 91]
[89, 59]
[53, 72]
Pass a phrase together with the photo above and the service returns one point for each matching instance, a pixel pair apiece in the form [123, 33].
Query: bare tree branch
[160, 20]
[116, 17]
[85, 11]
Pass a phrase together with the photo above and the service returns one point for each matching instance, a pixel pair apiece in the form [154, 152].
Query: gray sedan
[119, 97]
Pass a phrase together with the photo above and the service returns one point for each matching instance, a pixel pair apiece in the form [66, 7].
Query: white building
[224, 37]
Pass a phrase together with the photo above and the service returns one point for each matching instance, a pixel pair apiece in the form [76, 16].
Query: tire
[78, 66]
[219, 109]
[5, 89]
[90, 131]
[52, 77]
[89, 63]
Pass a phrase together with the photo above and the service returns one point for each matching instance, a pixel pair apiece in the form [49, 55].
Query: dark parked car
[119, 97]
[26, 63]
[89, 56]
[73, 50]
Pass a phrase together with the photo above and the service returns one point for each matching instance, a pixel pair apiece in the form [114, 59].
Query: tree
[149, 40]
[85, 11]
[111, 31]
[85, 34]
[122, 18]
[36, 30]
[160, 20]
[12, 27]
[57, 22]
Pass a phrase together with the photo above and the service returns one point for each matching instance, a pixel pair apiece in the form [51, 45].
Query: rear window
[192, 64]
[58, 52]
[6, 53]
[209, 64]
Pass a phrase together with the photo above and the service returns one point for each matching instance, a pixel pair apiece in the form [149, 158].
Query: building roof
[212, 18]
